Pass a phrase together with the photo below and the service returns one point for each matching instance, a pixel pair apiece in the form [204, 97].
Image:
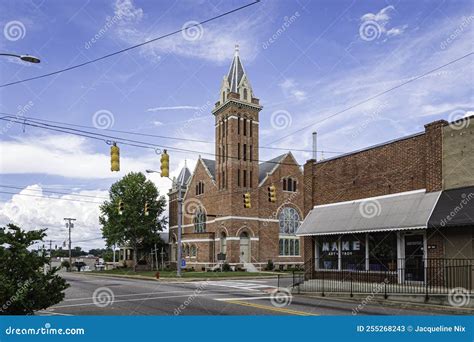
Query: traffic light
[247, 203]
[120, 207]
[146, 209]
[114, 158]
[165, 164]
[272, 196]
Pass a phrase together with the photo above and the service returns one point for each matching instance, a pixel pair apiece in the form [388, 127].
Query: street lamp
[25, 58]
[180, 211]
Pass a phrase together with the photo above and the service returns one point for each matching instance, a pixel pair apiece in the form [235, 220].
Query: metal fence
[423, 277]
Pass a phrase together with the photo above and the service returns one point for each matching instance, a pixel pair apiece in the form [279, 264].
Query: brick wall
[403, 165]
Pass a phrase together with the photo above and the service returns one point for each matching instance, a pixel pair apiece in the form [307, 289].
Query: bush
[226, 267]
[270, 266]
[66, 264]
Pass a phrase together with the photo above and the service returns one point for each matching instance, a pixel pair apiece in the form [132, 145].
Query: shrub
[226, 267]
[270, 266]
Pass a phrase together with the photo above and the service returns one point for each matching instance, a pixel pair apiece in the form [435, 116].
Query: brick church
[216, 226]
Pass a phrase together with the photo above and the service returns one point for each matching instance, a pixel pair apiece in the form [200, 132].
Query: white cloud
[396, 31]
[33, 209]
[215, 40]
[405, 110]
[64, 155]
[379, 22]
[382, 16]
[126, 10]
[157, 109]
[157, 123]
[290, 89]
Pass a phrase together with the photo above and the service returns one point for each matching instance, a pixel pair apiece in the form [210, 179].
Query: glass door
[414, 258]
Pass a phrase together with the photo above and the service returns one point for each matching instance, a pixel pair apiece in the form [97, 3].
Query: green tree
[26, 285]
[132, 227]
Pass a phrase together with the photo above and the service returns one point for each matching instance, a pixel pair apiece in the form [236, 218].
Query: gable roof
[210, 166]
[268, 166]
[184, 175]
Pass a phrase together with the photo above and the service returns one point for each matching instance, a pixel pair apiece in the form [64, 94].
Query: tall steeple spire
[236, 80]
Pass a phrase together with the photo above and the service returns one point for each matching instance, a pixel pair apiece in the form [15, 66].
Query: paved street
[120, 296]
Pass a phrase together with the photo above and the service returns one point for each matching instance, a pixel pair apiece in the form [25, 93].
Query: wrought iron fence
[399, 276]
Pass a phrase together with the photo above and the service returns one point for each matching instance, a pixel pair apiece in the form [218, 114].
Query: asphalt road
[102, 295]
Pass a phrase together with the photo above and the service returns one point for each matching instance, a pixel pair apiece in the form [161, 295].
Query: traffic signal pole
[165, 173]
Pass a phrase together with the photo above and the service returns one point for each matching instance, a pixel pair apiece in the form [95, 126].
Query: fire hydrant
[157, 275]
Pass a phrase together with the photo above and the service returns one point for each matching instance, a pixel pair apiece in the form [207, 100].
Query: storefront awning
[407, 210]
[455, 208]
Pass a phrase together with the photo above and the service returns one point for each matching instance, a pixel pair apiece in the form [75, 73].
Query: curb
[400, 304]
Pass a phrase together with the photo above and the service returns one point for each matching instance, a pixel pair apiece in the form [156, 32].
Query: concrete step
[249, 267]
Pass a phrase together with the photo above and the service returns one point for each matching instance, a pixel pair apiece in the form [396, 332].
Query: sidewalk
[363, 300]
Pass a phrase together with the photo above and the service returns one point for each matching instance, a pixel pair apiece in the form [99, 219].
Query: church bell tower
[236, 121]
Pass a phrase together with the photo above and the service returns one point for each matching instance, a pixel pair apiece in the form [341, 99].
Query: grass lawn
[172, 274]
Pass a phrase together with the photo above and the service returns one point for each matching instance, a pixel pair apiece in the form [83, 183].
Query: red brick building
[397, 205]
[215, 221]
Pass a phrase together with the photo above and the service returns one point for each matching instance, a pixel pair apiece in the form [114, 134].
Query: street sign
[183, 263]
[221, 256]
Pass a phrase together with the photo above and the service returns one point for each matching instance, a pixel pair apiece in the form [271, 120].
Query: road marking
[238, 285]
[192, 293]
[273, 308]
[51, 313]
[133, 294]
[241, 298]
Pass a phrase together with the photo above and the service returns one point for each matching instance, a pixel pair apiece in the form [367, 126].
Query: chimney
[315, 151]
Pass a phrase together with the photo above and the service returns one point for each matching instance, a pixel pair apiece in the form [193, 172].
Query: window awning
[455, 208]
[407, 210]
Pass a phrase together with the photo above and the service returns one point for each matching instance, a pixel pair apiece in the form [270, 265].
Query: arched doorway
[244, 248]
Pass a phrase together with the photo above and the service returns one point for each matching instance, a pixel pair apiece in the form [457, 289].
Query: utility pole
[180, 213]
[69, 225]
[50, 251]
[162, 262]
[156, 258]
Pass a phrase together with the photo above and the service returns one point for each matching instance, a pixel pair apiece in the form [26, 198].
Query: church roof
[184, 175]
[268, 166]
[236, 72]
[211, 166]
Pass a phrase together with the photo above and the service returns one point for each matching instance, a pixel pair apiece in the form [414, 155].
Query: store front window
[353, 252]
[328, 252]
[350, 252]
[383, 251]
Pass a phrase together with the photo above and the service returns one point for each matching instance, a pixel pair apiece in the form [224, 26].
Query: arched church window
[199, 220]
[289, 220]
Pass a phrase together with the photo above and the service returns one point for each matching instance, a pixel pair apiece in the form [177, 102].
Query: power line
[136, 143]
[52, 192]
[375, 96]
[55, 198]
[131, 47]
[38, 120]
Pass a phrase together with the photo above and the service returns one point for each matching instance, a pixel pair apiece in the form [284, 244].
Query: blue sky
[305, 59]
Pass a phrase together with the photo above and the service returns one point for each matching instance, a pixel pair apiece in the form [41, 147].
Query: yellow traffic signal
[272, 197]
[247, 203]
[120, 207]
[146, 209]
[114, 158]
[165, 164]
